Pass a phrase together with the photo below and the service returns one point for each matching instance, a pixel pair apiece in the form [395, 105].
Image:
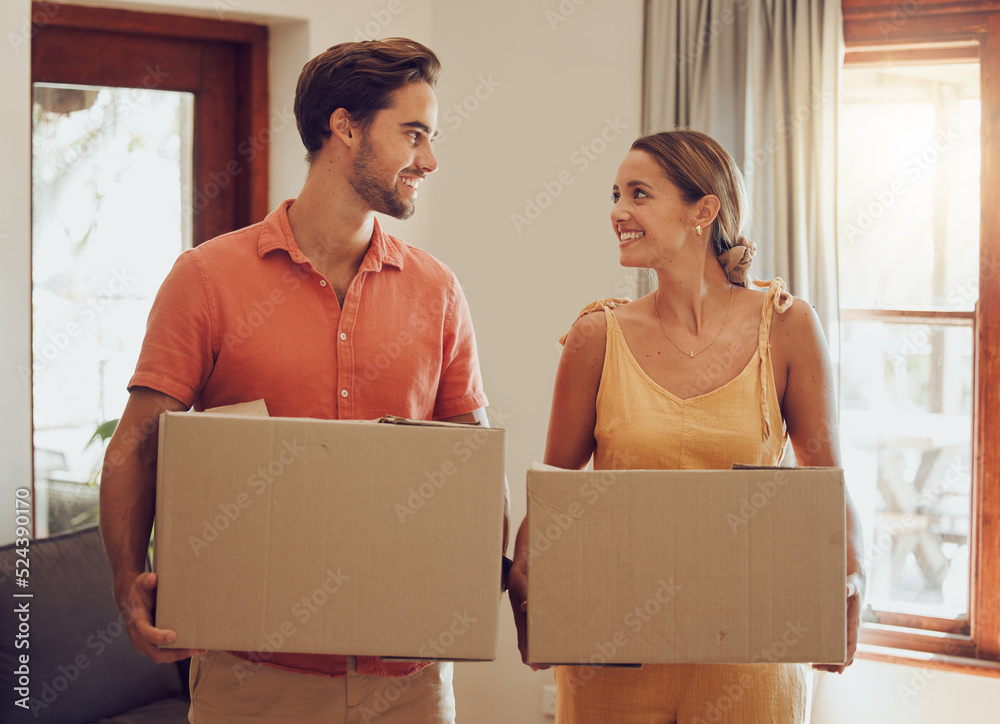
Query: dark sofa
[81, 664]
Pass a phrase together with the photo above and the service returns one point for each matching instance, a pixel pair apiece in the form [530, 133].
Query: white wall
[872, 692]
[543, 92]
[15, 270]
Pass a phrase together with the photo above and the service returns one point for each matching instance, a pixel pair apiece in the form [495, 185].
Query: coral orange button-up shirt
[246, 316]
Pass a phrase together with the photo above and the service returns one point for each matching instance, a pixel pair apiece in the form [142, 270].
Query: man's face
[395, 152]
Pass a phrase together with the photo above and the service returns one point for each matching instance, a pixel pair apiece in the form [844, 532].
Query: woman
[739, 370]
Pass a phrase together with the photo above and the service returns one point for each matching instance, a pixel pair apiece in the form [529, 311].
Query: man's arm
[479, 415]
[128, 500]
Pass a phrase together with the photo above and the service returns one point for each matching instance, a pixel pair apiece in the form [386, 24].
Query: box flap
[256, 408]
[396, 420]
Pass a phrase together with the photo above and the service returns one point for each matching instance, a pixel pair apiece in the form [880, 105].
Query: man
[293, 310]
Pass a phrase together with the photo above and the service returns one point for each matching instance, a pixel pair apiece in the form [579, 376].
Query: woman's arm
[570, 443]
[810, 411]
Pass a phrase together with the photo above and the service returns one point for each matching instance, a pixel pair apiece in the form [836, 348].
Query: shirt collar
[276, 233]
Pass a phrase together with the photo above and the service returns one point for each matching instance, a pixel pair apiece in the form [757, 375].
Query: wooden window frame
[243, 200]
[939, 31]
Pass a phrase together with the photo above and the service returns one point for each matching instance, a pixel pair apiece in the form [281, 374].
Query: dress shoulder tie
[777, 297]
[606, 304]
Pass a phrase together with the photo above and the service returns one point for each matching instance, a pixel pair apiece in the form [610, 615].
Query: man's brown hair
[360, 78]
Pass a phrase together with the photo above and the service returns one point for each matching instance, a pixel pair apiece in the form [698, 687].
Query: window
[918, 259]
[149, 135]
[110, 167]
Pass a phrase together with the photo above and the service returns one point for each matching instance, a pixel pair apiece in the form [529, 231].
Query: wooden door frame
[242, 169]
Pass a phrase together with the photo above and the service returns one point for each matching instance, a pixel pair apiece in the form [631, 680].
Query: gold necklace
[692, 353]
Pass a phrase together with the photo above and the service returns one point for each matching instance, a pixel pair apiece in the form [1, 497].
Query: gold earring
[697, 229]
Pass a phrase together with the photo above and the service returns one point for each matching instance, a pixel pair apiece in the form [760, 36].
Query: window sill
[922, 659]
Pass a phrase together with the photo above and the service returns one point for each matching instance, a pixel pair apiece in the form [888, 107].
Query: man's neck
[329, 223]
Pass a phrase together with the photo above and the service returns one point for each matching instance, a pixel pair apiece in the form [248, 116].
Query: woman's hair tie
[737, 260]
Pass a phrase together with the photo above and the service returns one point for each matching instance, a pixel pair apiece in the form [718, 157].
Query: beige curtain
[760, 76]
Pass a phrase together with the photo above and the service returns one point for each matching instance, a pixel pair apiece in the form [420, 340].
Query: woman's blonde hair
[698, 166]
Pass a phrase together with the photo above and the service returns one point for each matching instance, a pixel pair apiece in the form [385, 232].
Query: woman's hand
[517, 591]
[855, 597]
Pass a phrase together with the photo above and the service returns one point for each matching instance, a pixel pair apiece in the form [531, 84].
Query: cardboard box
[321, 536]
[643, 566]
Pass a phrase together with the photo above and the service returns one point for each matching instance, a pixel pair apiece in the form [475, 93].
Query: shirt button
[343, 393]
[343, 335]
[322, 282]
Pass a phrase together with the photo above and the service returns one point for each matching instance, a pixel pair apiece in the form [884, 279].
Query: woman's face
[650, 218]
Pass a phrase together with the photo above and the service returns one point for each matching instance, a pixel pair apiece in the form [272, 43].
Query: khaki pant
[682, 693]
[219, 696]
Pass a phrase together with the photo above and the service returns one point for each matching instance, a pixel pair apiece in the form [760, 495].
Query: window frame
[224, 60]
[935, 30]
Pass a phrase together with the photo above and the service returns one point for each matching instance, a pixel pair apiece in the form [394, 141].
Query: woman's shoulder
[796, 332]
[604, 304]
[795, 315]
[588, 330]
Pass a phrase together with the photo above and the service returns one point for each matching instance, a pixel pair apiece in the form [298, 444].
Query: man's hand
[855, 589]
[137, 606]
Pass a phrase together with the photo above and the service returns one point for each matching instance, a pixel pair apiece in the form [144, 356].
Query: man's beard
[384, 200]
